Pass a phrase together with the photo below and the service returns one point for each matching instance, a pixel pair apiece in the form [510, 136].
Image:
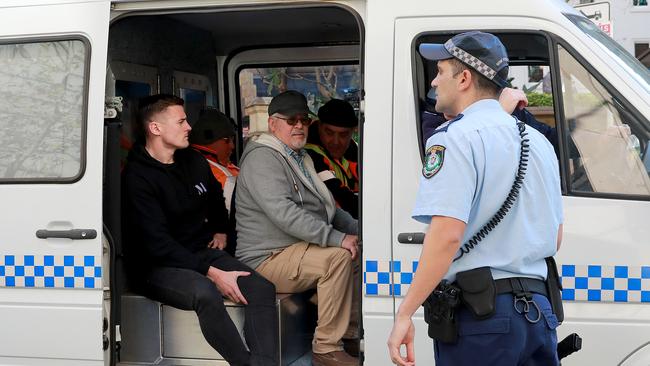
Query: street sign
[606, 27]
[597, 12]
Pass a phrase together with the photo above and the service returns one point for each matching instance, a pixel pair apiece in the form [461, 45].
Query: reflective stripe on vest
[343, 170]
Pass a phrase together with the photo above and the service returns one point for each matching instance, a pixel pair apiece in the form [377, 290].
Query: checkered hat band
[470, 60]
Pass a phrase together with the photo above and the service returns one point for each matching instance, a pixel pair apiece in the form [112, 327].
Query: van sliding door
[52, 62]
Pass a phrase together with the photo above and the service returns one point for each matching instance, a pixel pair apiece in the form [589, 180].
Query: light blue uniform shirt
[481, 156]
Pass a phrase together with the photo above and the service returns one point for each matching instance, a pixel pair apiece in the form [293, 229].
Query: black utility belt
[477, 290]
[516, 285]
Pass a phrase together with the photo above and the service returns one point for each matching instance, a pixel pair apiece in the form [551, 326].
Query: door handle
[410, 238]
[74, 234]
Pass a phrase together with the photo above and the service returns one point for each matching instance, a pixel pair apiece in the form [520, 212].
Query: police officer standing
[490, 305]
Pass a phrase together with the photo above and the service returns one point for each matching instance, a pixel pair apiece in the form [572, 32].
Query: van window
[612, 48]
[42, 104]
[529, 72]
[535, 82]
[319, 83]
[195, 91]
[608, 145]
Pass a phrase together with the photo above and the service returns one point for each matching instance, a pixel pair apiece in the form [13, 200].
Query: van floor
[305, 360]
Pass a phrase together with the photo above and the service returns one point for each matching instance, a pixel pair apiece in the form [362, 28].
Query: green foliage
[539, 99]
[273, 80]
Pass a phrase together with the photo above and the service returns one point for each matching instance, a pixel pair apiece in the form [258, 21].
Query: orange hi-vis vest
[226, 175]
[344, 170]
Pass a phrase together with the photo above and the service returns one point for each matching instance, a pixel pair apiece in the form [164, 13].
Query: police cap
[481, 51]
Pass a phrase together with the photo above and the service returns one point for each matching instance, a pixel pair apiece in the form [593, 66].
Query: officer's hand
[511, 99]
[226, 282]
[402, 334]
[218, 241]
[351, 243]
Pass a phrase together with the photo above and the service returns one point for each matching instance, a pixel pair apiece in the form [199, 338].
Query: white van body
[55, 292]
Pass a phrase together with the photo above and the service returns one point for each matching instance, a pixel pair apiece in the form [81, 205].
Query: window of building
[42, 104]
[640, 48]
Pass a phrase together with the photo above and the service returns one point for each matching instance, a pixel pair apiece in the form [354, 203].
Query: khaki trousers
[331, 271]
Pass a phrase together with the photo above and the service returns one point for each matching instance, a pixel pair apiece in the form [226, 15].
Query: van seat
[154, 333]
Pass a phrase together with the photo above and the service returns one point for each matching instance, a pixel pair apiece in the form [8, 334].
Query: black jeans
[189, 290]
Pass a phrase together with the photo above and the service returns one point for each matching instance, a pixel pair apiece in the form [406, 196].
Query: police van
[71, 73]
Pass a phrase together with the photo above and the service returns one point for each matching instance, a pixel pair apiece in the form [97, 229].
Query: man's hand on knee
[351, 243]
[226, 282]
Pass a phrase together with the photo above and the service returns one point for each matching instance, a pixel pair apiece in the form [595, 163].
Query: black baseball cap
[481, 51]
[338, 113]
[211, 126]
[289, 103]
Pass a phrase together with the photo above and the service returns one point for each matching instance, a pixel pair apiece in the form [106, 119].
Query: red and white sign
[606, 27]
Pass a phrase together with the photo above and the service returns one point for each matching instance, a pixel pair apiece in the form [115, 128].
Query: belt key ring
[525, 308]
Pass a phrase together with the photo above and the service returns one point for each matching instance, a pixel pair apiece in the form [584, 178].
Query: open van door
[52, 62]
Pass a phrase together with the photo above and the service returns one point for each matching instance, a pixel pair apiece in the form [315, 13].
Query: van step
[158, 334]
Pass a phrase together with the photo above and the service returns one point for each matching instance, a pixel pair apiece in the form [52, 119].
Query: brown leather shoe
[336, 358]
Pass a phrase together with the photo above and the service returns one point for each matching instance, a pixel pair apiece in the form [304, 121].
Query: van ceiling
[275, 27]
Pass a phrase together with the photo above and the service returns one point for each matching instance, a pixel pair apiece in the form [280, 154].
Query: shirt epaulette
[443, 127]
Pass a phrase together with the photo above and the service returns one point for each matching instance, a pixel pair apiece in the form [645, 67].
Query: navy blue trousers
[506, 338]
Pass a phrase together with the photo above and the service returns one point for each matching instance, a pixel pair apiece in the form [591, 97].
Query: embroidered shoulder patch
[433, 160]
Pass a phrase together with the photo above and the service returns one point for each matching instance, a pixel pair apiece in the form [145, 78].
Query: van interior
[237, 59]
[233, 60]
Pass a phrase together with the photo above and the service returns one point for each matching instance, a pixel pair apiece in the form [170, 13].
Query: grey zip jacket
[276, 205]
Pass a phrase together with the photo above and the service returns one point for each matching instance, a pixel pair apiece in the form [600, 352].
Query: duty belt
[521, 284]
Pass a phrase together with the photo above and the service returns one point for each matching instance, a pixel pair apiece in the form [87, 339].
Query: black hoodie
[170, 211]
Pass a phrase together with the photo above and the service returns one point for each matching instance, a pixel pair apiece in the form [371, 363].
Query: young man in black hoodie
[175, 221]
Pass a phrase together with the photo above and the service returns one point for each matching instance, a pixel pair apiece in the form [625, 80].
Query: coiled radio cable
[512, 195]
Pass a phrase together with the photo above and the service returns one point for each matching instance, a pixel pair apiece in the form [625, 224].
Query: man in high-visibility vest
[334, 153]
[213, 135]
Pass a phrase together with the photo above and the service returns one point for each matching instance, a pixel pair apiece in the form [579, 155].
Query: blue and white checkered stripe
[599, 283]
[50, 271]
[629, 284]
[376, 277]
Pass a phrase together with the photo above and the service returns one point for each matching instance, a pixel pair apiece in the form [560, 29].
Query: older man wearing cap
[334, 153]
[490, 304]
[213, 135]
[289, 228]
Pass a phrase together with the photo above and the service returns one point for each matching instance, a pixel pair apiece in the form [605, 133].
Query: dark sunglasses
[306, 121]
